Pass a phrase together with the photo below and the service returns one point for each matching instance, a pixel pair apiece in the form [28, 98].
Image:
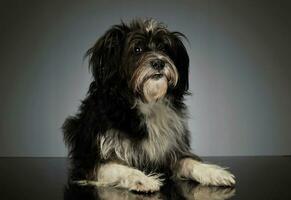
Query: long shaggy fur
[112, 122]
[120, 120]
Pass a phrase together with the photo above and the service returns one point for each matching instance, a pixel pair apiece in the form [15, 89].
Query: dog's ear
[105, 55]
[181, 60]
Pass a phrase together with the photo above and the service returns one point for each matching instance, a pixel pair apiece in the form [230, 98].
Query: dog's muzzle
[154, 74]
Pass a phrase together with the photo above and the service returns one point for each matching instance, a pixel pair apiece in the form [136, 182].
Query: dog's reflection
[191, 191]
[182, 190]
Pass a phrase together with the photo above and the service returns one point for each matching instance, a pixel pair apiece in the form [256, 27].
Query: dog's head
[150, 59]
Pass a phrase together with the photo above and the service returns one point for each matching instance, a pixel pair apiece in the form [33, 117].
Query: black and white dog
[131, 129]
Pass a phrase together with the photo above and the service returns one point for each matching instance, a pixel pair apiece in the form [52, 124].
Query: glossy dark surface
[45, 178]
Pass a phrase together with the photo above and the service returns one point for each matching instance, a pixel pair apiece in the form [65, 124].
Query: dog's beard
[151, 84]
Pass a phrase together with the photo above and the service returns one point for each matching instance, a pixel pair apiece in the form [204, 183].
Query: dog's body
[132, 126]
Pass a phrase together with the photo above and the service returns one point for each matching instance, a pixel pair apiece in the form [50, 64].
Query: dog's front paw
[208, 174]
[151, 183]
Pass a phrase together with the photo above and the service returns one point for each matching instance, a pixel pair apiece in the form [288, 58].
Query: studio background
[240, 72]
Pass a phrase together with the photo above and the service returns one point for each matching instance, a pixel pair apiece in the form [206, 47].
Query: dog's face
[146, 55]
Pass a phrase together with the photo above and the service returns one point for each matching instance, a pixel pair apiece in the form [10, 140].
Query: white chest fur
[165, 127]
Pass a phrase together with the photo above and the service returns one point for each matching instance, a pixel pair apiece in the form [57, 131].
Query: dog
[131, 129]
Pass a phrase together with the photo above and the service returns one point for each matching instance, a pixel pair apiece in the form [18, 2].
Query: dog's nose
[158, 64]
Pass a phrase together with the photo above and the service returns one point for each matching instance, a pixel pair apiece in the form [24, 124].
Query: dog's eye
[137, 49]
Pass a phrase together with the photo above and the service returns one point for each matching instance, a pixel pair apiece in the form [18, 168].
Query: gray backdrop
[240, 70]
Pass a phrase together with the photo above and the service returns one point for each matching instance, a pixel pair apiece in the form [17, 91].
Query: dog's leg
[206, 174]
[121, 176]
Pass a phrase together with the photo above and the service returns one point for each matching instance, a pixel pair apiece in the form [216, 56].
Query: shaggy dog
[131, 130]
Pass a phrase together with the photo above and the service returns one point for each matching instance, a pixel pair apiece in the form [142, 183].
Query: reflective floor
[260, 178]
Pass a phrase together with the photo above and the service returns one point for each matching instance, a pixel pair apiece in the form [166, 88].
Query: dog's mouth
[157, 76]
[155, 87]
